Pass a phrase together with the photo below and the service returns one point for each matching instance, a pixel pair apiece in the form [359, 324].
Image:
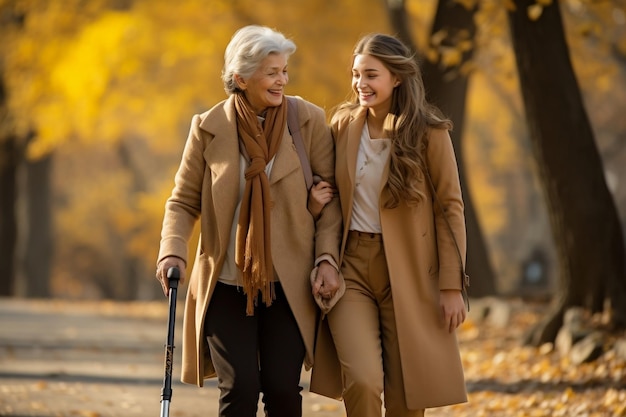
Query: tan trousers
[364, 331]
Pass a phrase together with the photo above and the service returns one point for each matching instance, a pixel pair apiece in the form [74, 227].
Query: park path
[100, 359]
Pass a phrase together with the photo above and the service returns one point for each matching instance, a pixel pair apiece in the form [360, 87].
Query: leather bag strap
[294, 129]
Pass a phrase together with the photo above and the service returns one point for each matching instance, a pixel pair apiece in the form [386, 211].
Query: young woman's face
[373, 83]
[265, 86]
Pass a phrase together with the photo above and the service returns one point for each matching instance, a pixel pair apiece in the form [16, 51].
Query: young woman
[403, 245]
[250, 318]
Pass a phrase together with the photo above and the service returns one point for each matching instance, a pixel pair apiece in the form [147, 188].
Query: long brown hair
[414, 116]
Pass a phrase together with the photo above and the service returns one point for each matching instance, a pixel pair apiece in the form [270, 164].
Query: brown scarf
[253, 254]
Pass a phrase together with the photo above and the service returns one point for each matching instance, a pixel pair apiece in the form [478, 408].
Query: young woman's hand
[452, 308]
[320, 195]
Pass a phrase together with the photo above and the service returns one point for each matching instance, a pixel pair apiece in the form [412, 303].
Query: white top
[370, 162]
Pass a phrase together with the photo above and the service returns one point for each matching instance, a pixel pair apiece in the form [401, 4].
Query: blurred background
[96, 98]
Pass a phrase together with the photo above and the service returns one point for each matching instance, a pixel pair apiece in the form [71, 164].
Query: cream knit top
[371, 159]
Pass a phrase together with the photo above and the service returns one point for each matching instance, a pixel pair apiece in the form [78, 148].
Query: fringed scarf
[253, 254]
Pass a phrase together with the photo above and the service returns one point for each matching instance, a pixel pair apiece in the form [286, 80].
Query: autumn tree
[10, 156]
[33, 33]
[99, 95]
[12, 146]
[585, 225]
[109, 88]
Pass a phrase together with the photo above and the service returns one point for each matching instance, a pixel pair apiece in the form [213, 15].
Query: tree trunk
[8, 220]
[10, 157]
[39, 243]
[585, 224]
[447, 88]
[132, 266]
[399, 21]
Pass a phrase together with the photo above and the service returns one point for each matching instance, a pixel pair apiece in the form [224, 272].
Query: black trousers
[254, 354]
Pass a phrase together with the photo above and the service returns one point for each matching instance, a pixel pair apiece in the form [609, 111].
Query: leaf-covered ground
[505, 378]
[105, 359]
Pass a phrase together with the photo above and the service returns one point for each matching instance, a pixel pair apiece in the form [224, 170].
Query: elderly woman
[250, 316]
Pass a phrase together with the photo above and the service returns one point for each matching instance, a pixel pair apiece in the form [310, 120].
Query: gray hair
[248, 47]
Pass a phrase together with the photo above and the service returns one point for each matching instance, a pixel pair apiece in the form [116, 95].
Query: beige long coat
[207, 188]
[422, 259]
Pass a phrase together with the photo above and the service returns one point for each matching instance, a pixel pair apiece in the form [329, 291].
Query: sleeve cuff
[329, 258]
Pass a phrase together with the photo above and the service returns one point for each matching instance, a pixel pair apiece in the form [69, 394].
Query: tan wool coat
[422, 259]
[207, 188]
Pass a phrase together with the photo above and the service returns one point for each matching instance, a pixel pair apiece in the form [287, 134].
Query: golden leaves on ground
[505, 378]
[43, 398]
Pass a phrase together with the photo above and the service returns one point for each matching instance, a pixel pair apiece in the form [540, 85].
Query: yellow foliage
[467, 4]
[446, 54]
[510, 5]
[85, 68]
[467, 67]
[534, 11]
[438, 37]
[87, 80]
[465, 45]
[431, 54]
[420, 13]
[450, 56]
[93, 82]
[490, 196]
[80, 78]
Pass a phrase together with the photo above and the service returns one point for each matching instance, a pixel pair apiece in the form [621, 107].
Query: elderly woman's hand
[327, 280]
[162, 268]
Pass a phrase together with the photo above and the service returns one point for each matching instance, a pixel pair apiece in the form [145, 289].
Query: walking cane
[173, 276]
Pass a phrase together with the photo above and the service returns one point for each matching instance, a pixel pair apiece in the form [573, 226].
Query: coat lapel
[286, 160]
[219, 155]
[388, 126]
[350, 151]
[355, 129]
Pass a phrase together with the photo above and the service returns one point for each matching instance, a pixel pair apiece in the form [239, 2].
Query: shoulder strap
[465, 279]
[294, 129]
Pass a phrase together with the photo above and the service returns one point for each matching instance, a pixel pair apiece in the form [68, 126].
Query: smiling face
[265, 86]
[373, 83]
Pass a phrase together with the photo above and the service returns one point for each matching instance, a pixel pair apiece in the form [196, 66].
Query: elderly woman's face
[265, 87]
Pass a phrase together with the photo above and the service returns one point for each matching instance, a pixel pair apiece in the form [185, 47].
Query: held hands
[452, 308]
[321, 194]
[162, 268]
[326, 282]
